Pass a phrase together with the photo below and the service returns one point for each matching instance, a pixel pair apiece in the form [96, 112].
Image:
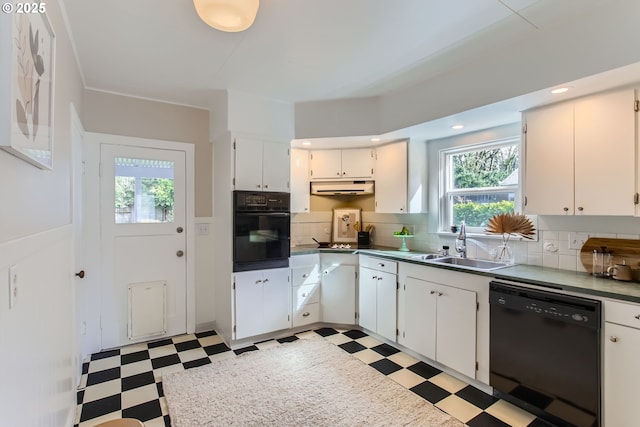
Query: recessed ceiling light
[375, 139]
[306, 142]
[457, 127]
[560, 90]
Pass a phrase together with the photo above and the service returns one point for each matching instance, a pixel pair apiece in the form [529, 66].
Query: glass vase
[504, 254]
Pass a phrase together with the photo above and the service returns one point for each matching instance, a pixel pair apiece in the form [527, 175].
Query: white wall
[37, 335]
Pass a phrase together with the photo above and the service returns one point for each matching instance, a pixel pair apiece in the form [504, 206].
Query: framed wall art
[344, 221]
[32, 87]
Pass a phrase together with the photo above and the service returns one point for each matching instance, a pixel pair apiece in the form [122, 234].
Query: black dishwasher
[545, 353]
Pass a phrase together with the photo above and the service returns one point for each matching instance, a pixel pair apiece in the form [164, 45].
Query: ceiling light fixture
[375, 139]
[560, 90]
[457, 127]
[306, 142]
[227, 15]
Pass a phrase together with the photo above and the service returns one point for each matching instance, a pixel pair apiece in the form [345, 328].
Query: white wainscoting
[37, 336]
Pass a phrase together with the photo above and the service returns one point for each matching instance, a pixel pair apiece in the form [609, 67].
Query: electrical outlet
[203, 229]
[13, 285]
[576, 240]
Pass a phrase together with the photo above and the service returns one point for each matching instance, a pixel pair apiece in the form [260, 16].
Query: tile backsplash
[550, 250]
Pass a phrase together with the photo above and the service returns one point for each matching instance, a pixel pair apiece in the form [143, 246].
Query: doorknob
[80, 274]
[179, 229]
[180, 254]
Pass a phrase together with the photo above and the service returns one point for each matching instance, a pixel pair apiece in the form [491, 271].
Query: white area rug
[308, 382]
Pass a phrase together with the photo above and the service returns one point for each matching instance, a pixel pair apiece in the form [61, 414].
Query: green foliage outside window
[478, 214]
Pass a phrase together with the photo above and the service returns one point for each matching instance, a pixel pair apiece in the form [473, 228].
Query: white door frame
[92, 158]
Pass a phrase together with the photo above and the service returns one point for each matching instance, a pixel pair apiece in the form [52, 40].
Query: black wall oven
[261, 230]
[545, 353]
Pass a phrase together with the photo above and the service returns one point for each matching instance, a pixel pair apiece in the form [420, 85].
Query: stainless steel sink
[425, 257]
[475, 264]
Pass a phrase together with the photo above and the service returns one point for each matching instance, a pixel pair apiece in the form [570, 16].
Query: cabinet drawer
[622, 313]
[306, 294]
[305, 275]
[306, 314]
[379, 264]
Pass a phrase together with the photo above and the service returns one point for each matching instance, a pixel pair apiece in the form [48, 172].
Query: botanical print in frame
[344, 221]
[32, 61]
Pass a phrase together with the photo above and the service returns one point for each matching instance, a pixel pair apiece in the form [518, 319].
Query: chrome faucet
[461, 241]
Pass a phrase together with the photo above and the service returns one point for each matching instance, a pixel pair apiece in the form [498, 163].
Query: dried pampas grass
[511, 224]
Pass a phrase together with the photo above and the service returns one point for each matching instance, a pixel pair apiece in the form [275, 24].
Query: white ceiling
[300, 50]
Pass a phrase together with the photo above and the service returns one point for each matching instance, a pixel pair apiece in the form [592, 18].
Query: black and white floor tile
[127, 382]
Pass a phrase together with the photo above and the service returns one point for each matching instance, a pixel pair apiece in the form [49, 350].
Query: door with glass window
[143, 214]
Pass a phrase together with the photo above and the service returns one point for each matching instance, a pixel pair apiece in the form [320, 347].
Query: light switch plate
[576, 240]
[13, 285]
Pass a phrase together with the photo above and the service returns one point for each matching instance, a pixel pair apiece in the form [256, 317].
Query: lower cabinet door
[367, 299]
[420, 317]
[621, 375]
[386, 324]
[276, 300]
[338, 295]
[248, 304]
[456, 329]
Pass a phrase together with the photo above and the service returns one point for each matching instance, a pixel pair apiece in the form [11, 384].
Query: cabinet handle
[304, 294]
[374, 277]
[565, 209]
[380, 278]
[265, 280]
[258, 185]
[266, 186]
[306, 314]
[258, 281]
[638, 317]
[338, 173]
[305, 275]
[580, 208]
[325, 273]
[380, 265]
[432, 292]
[613, 338]
[344, 173]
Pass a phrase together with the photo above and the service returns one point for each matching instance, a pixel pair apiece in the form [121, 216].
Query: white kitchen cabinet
[439, 322]
[305, 288]
[354, 163]
[391, 178]
[621, 367]
[338, 294]
[579, 157]
[300, 195]
[261, 165]
[262, 302]
[377, 292]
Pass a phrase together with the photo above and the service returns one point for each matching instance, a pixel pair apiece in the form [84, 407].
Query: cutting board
[626, 249]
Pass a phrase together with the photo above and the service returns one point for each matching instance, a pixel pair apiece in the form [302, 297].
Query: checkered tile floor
[127, 383]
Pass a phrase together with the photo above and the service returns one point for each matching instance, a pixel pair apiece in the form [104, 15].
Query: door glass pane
[143, 190]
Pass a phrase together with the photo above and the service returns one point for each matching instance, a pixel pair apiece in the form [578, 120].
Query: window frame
[445, 193]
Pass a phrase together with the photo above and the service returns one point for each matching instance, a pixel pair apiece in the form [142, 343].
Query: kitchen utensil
[321, 244]
[620, 272]
[601, 262]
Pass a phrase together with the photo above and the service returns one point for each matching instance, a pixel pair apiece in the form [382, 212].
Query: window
[143, 191]
[479, 182]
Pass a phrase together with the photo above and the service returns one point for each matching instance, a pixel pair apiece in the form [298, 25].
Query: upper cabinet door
[248, 173]
[300, 197]
[325, 164]
[605, 161]
[548, 186]
[358, 163]
[275, 166]
[391, 178]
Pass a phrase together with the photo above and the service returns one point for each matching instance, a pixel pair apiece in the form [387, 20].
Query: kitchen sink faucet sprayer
[461, 241]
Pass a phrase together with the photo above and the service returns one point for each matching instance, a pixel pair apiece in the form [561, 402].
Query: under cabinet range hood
[336, 188]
